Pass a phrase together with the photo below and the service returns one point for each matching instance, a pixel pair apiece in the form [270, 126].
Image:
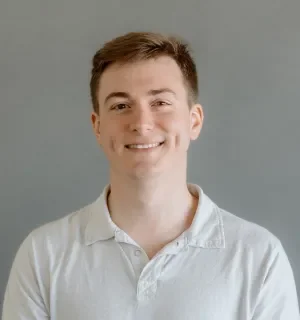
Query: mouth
[144, 146]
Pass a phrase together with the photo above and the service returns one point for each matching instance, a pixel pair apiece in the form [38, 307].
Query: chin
[143, 171]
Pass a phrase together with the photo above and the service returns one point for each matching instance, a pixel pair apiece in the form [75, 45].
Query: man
[152, 246]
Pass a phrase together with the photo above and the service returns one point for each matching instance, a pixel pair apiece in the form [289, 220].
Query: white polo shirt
[84, 267]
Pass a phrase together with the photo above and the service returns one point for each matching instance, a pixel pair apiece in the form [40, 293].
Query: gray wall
[247, 158]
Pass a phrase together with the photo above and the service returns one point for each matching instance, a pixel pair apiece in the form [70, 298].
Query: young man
[152, 246]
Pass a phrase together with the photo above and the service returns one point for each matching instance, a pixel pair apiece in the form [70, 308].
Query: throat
[153, 238]
[154, 230]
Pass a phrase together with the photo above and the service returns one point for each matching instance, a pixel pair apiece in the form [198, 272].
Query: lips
[143, 145]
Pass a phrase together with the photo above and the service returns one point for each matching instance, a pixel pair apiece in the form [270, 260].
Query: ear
[95, 120]
[197, 118]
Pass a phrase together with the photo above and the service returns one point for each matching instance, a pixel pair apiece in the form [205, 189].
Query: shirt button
[137, 253]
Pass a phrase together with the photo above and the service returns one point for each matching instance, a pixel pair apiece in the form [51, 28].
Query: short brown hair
[136, 46]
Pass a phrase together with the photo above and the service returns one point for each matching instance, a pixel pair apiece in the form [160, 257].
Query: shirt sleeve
[277, 299]
[24, 298]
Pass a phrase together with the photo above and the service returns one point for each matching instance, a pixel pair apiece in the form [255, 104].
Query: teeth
[143, 146]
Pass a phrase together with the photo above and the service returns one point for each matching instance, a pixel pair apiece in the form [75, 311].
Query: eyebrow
[153, 92]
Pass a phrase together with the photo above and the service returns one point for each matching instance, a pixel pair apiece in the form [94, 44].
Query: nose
[141, 121]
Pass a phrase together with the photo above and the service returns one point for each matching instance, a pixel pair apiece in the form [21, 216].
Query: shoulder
[70, 227]
[253, 249]
[47, 241]
[239, 231]
[250, 244]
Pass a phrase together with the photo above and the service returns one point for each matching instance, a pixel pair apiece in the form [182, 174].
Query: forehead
[141, 76]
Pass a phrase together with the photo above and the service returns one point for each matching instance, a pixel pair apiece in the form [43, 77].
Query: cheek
[179, 128]
[112, 137]
[178, 131]
[107, 128]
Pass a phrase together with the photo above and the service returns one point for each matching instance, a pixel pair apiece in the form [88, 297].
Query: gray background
[247, 158]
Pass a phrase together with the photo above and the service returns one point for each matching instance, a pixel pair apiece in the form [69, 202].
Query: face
[144, 124]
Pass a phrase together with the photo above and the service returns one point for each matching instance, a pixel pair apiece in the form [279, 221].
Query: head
[144, 91]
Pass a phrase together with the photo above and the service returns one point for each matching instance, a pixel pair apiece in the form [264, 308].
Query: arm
[24, 298]
[277, 299]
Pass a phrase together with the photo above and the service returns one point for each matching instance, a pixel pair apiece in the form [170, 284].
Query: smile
[143, 146]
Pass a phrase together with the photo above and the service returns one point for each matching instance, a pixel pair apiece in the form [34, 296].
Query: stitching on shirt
[221, 227]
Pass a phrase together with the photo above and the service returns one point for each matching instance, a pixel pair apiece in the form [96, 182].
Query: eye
[161, 103]
[119, 106]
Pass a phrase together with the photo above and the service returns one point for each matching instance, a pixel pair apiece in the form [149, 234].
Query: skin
[149, 197]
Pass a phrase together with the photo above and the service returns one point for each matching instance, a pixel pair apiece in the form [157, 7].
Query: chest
[123, 284]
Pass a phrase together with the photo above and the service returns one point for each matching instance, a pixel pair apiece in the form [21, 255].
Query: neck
[159, 208]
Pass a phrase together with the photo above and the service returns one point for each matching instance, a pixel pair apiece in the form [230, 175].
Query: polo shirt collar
[99, 225]
[206, 230]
